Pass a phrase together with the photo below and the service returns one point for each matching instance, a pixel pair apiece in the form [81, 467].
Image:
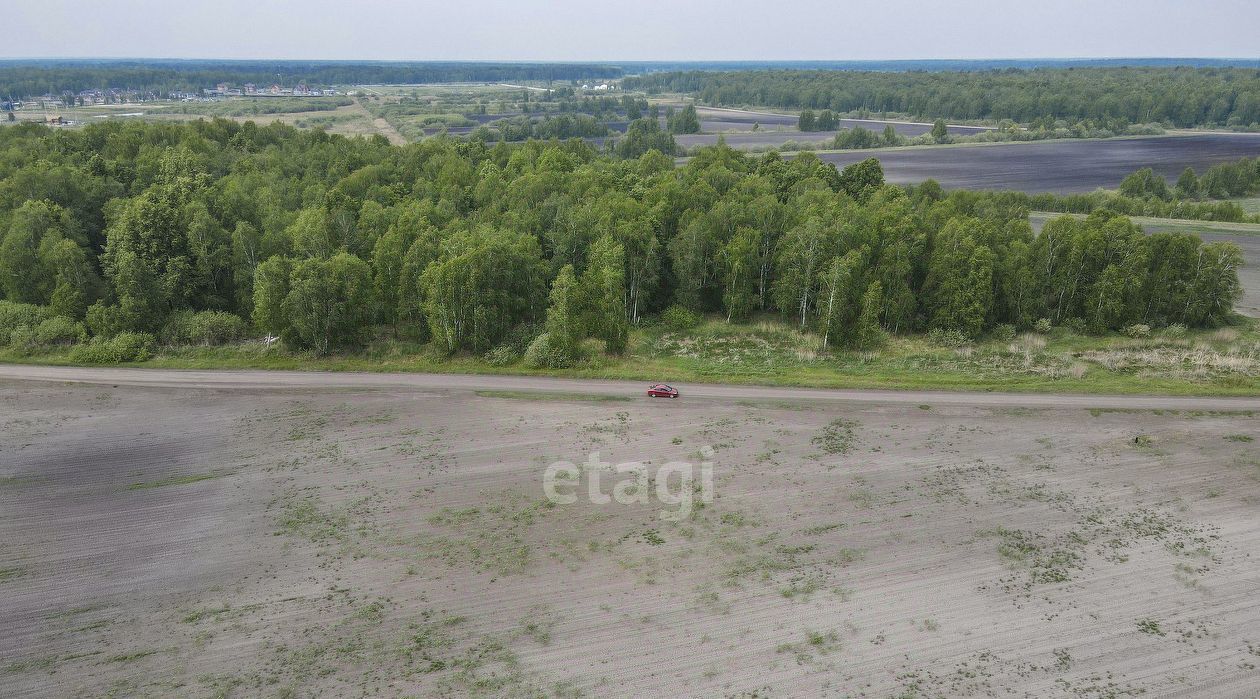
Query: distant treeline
[25, 78]
[1182, 97]
[930, 65]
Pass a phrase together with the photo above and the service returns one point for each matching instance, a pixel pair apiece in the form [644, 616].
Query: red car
[661, 390]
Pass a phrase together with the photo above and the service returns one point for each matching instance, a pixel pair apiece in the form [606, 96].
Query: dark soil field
[753, 139]
[295, 534]
[718, 120]
[1054, 166]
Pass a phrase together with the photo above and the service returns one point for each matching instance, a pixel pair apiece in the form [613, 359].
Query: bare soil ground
[288, 534]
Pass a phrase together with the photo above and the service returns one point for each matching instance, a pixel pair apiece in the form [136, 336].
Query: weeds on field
[815, 645]
[837, 437]
[180, 480]
[547, 395]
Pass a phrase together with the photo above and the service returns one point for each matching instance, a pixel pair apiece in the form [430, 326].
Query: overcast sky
[629, 29]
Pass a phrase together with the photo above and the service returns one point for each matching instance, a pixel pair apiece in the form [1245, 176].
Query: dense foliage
[1177, 96]
[143, 231]
[523, 128]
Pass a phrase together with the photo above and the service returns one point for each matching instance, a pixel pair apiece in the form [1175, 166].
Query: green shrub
[502, 355]
[677, 318]
[1043, 326]
[123, 347]
[543, 355]
[60, 330]
[15, 315]
[1137, 330]
[1175, 331]
[948, 338]
[1076, 326]
[22, 340]
[521, 336]
[104, 320]
[1004, 333]
[204, 328]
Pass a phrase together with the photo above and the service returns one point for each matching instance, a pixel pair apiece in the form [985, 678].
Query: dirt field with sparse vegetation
[233, 534]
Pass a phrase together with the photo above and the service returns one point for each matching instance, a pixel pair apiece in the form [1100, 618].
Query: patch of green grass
[131, 657]
[771, 353]
[822, 529]
[198, 614]
[816, 643]
[44, 664]
[495, 537]
[17, 481]
[7, 574]
[94, 626]
[179, 480]
[547, 395]
[803, 587]
[539, 624]
[305, 518]
[76, 611]
[1239, 438]
[1150, 626]
[837, 437]
[1046, 563]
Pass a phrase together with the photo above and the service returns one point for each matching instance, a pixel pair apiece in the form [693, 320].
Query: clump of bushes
[948, 338]
[206, 328]
[1137, 330]
[123, 347]
[544, 354]
[515, 345]
[1043, 326]
[678, 318]
[22, 340]
[502, 355]
[1004, 332]
[25, 327]
[1176, 331]
[60, 330]
[18, 315]
[1076, 326]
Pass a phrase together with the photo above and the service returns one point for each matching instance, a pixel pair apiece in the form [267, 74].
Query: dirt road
[256, 379]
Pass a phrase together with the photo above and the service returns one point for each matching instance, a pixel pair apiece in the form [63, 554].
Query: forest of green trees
[213, 230]
[1181, 97]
